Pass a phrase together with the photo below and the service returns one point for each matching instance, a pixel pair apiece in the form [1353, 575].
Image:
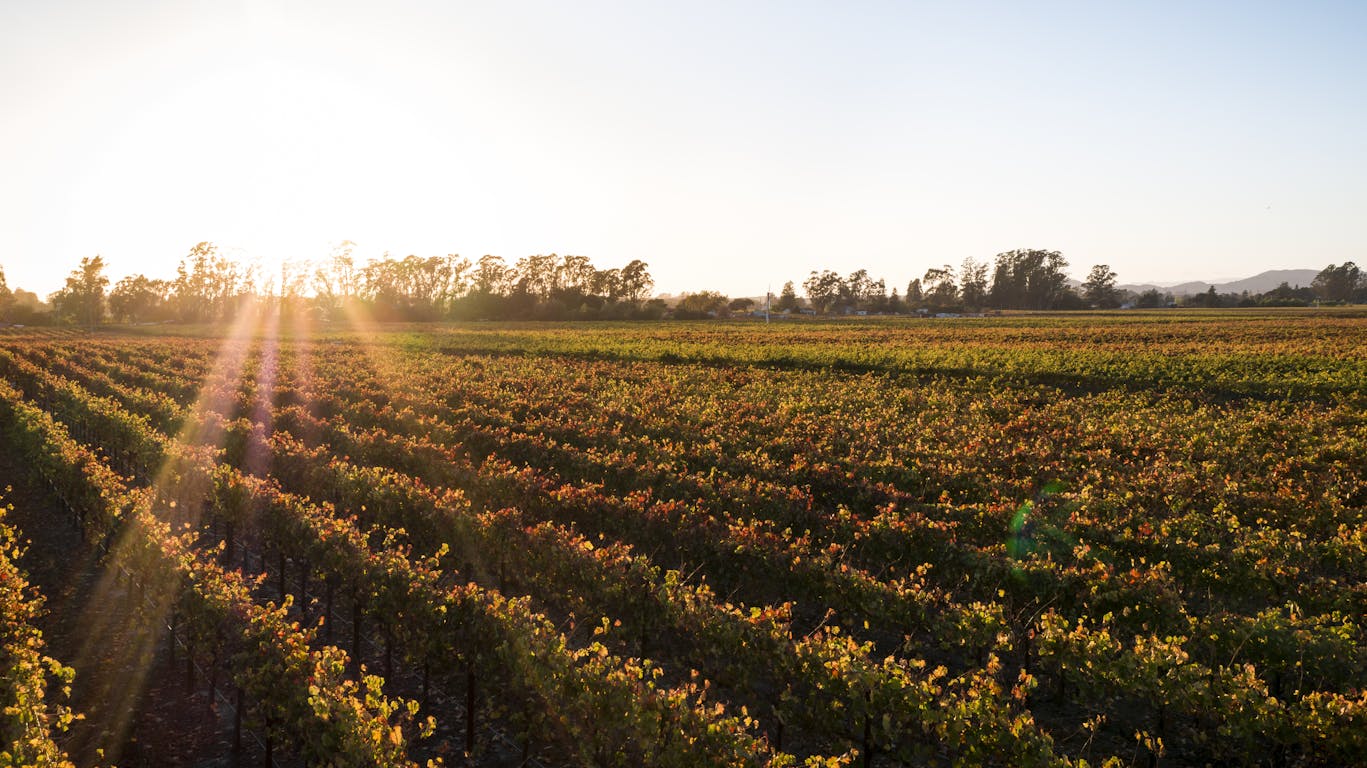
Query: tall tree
[636, 282]
[607, 283]
[863, 292]
[337, 282]
[1099, 289]
[700, 304]
[414, 287]
[1029, 279]
[915, 295]
[6, 298]
[939, 287]
[492, 276]
[973, 283]
[1339, 283]
[82, 299]
[538, 276]
[823, 290]
[787, 299]
[1152, 298]
[895, 305]
[206, 283]
[294, 281]
[859, 289]
[137, 299]
[877, 296]
[576, 275]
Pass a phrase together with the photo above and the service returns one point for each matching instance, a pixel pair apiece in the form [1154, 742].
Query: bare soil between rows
[133, 714]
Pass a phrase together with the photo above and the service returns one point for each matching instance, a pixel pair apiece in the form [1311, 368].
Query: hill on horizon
[1259, 283]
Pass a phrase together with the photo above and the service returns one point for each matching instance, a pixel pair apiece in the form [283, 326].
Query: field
[1033, 540]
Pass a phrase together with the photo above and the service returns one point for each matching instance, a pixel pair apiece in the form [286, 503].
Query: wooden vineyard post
[867, 749]
[470, 710]
[426, 670]
[355, 626]
[189, 666]
[388, 654]
[304, 590]
[227, 543]
[645, 634]
[282, 576]
[868, 731]
[237, 723]
[327, 609]
[213, 679]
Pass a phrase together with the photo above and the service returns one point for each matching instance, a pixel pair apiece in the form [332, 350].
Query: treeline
[1021, 279]
[209, 287]
[1036, 280]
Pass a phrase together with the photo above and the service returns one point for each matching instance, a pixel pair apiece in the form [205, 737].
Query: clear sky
[731, 145]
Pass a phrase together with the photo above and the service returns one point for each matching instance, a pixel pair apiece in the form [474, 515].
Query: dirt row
[134, 705]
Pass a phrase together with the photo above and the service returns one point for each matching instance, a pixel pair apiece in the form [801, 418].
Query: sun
[276, 271]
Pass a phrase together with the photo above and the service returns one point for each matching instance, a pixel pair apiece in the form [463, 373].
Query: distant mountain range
[1259, 283]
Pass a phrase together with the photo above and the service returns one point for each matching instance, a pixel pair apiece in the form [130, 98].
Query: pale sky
[731, 145]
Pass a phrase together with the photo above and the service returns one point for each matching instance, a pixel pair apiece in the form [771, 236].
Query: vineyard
[1128, 539]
